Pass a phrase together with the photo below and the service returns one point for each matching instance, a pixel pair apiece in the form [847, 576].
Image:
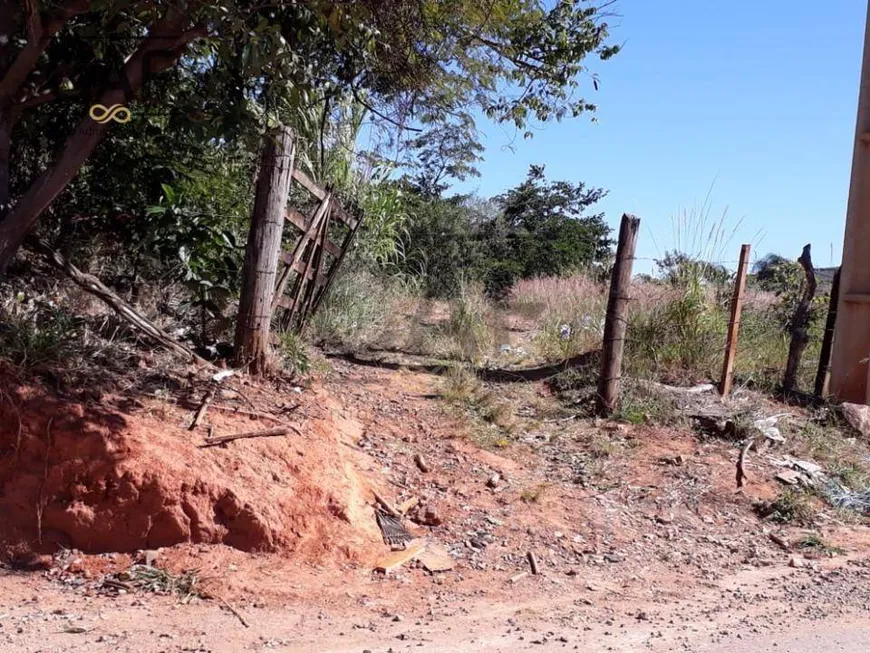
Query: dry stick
[251, 413]
[800, 324]
[533, 562]
[734, 324]
[200, 412]
[821, 385]
[223, 439]
[741, 463]
[617, 316]
[94, 286]
[234, 611]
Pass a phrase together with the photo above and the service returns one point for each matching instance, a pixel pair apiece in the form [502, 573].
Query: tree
[543, 231]
[680, 270]
[418, 65]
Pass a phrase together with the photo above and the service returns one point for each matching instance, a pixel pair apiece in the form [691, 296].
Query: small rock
[421, 463]
[664, 519]
[858, 417]
[798, 562]
[150, 556]
[612, 557]
[493, 481]
[789, 477]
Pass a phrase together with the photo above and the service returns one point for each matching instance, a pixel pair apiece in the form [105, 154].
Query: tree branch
[40, 32]
[19, 222]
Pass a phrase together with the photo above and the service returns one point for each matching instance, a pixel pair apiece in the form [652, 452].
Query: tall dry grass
[568, 313]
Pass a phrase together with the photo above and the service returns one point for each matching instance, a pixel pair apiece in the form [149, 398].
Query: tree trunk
[262, 251]
[800, 324]
[616, 320]
[5, 152]
[167, 36]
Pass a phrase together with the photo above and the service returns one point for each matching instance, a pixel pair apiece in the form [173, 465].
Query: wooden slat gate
[311, 265]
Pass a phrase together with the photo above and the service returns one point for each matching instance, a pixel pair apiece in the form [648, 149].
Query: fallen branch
[223, 439]
[91, 284]
[741, 462]
[200, 412]
[234, 611]
[251, 413]
[533, 563]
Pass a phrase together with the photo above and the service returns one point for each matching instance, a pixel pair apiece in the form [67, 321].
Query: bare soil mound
[98, 478]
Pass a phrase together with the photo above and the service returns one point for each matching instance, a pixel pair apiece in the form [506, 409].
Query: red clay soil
[98, 479]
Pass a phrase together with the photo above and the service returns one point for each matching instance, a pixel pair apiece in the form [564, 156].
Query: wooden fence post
[800, 324]
[252, 346]
[734, 322]
[616, 321]
[821, 387]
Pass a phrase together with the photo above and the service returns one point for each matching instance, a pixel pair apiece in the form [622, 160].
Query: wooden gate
[311, 265]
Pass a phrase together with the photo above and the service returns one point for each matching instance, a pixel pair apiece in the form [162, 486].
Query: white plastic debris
[223, 374]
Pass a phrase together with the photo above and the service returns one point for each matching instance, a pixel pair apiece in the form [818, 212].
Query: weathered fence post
[616, 320]
[821, 387]
[261, 253]
[800, 324]
[734, 322]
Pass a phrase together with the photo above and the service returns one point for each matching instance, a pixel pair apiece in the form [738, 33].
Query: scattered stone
[664, 519]
[518, 577]
[780, 541]
[789, 477]
[426, 515]
[857, 416]
[493, 480]
[421, 463]
[613, 557]
[798, 562]
[150, 556]
[810, 468]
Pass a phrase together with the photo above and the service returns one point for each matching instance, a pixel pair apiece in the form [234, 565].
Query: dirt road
[776, 609]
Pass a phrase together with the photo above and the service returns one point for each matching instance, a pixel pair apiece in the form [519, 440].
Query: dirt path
[776, 609]
[642, 541]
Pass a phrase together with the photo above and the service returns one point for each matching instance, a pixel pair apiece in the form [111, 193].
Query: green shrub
[36, 333]
[360, 307]
[790, 507]
[471, 336]
[294, 353]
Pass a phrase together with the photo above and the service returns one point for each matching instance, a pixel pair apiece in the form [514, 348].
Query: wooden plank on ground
[436, 558]
[397, 559]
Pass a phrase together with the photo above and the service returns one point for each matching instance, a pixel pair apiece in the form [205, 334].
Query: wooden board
[436, 558]
[397, 559]
[308, 184]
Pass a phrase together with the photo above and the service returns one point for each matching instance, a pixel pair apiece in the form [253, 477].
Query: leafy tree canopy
[422, 68]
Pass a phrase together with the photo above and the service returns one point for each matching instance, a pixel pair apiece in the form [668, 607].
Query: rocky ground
[641, 539]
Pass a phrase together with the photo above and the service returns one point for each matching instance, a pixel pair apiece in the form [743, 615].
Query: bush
[294, 353]
[359, 309]
[469, 330]
[680, 340]
[36, 333]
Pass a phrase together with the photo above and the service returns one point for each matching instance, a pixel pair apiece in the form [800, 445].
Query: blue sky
[756, 99]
